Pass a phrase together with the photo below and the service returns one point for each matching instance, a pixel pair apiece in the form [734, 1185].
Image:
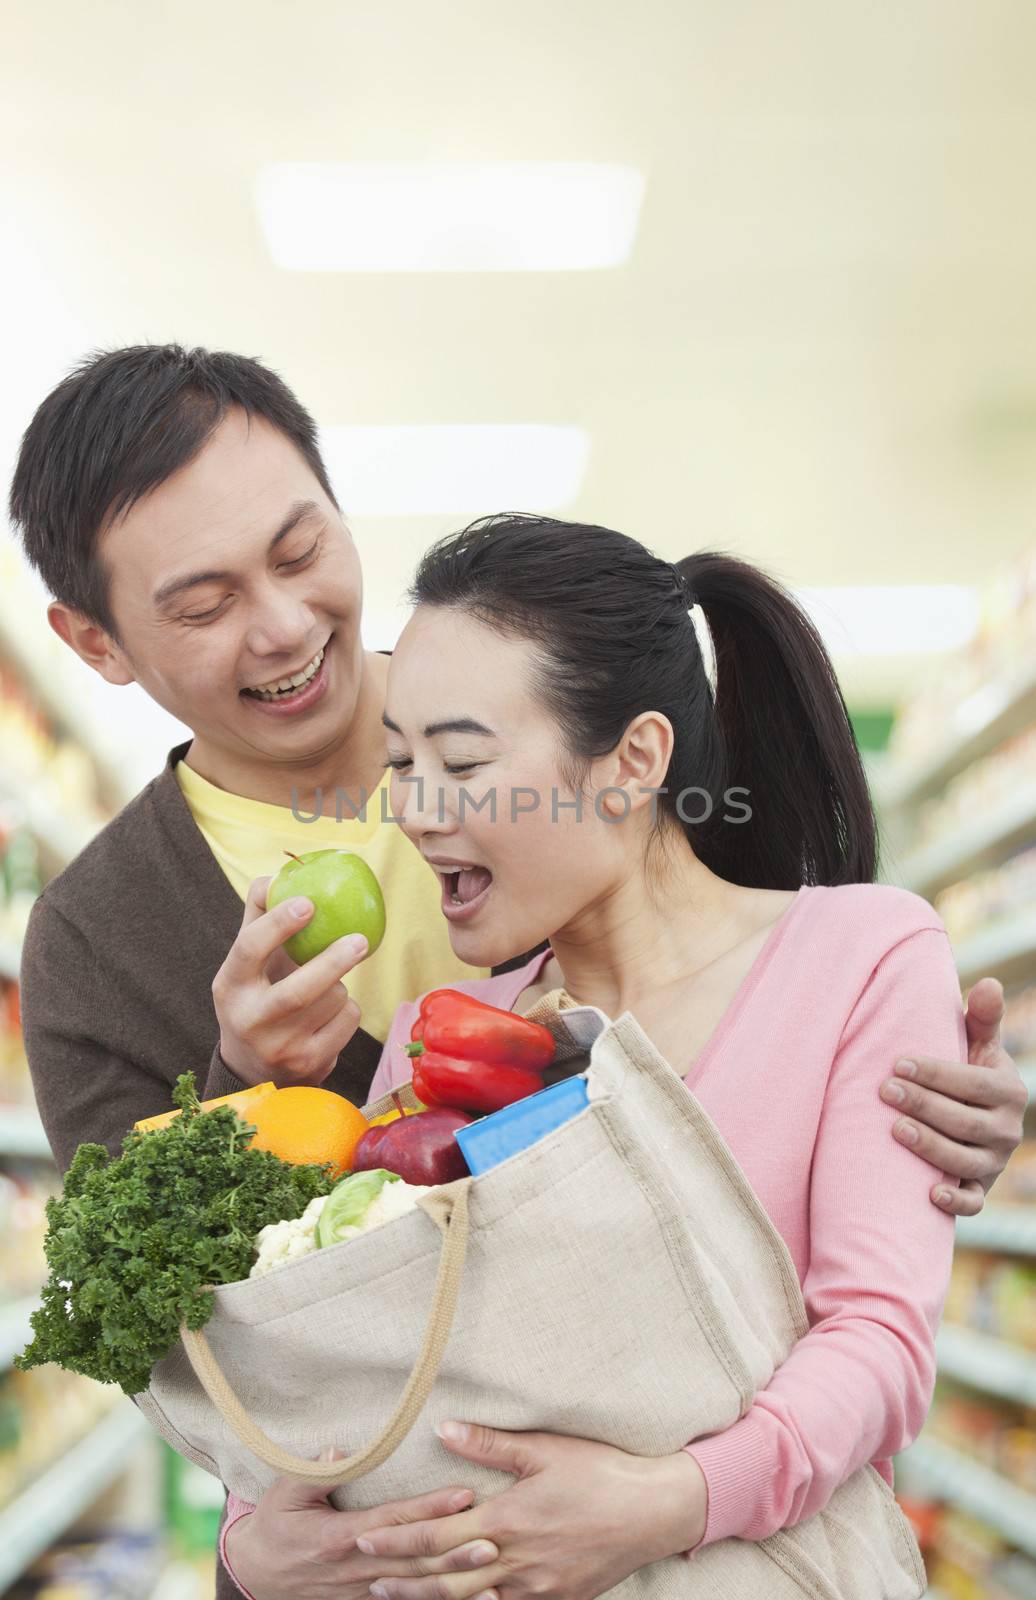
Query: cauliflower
[349, 1210]
[392, 1200]
[281, 1242]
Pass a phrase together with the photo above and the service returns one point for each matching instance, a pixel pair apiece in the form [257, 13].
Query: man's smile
[290, 681]
[295, 692]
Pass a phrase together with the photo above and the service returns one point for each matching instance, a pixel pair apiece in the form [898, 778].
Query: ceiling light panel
[453, 469]
[518, 216]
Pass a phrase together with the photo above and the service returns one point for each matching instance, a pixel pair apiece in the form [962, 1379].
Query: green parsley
[133, 1240]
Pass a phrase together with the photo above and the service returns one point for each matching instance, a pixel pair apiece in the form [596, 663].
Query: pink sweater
[850, 980]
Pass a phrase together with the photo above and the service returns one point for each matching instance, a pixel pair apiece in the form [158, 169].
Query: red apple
[418, 1149]
[365, 1156]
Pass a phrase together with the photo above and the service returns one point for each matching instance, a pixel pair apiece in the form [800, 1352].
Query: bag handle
[448, 1207]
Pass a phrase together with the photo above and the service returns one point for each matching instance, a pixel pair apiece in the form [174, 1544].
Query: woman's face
[478, 785]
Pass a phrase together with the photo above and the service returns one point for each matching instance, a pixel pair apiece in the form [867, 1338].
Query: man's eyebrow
[298, 512]
[451, 725]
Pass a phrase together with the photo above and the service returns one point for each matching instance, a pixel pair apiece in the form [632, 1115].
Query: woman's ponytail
[781, 732]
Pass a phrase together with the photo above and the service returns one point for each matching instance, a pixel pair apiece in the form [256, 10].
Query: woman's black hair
[615, 638]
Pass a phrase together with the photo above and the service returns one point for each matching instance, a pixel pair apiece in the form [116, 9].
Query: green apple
[346, 897]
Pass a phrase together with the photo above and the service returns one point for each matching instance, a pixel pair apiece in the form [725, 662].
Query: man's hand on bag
[581, 1517]
[277, 1020]
[295, 1546]
[965, 1119]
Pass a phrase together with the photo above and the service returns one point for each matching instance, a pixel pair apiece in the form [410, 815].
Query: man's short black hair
[121, 423]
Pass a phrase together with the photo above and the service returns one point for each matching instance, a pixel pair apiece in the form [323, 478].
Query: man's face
[233, 577]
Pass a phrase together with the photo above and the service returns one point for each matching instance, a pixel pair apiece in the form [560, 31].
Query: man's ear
[91, 643]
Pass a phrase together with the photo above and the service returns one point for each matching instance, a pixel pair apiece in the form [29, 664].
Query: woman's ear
[91, 643]
[638, 764]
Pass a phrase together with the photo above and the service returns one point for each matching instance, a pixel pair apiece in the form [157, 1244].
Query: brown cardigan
[116, 975]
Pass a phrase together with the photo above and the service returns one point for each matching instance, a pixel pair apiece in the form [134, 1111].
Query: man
[211, 570]
[177, 507]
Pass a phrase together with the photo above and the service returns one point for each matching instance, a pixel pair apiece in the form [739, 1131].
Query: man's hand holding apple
[279, 1022]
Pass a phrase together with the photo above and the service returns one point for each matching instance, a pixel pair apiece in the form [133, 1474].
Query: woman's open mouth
[296, 691]
[464, 890]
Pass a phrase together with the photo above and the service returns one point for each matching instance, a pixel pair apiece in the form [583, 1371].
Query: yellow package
[243, 1101]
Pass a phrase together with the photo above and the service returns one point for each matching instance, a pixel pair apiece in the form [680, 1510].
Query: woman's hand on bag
[581, 1517]
[295, 1546]
[967, 1120]
[279, 1022]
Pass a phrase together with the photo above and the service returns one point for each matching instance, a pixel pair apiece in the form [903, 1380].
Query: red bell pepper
[458, 1025]
[479, 1086]
[474, 1056]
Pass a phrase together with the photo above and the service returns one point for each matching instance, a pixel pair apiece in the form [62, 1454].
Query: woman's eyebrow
[450, 725]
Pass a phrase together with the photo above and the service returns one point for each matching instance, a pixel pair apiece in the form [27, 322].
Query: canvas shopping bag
[619, 1280]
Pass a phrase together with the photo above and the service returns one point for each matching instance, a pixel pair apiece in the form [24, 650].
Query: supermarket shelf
[10, 959]
[983, 720]
[993, 1365]
[15, 1331]
[985, 842]
[1006, 949]
[1008, 1228]
[21, 1133]
[974, 1488]
[60, 839]
[41, 1513]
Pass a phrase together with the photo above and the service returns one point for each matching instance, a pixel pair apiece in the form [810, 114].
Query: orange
[304, 1125]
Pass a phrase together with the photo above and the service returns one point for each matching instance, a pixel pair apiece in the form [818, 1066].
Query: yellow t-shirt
[249, 838]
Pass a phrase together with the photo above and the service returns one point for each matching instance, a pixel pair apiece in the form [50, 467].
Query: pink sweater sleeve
[236, 1509]
[857, 1387]
[393, 1066]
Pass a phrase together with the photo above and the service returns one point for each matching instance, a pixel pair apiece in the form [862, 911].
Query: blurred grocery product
[995, 1295]
[25, 1188]
[967, 1561]
[15, 1084]
[111, 1566]
[1019, 1027]
[43, 1418]
[1000, 1435]
[51, 767]
[997, 893]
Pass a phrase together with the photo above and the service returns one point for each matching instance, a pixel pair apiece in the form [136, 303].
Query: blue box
[492, 1139]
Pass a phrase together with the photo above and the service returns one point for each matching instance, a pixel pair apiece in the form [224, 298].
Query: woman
[705, 863]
